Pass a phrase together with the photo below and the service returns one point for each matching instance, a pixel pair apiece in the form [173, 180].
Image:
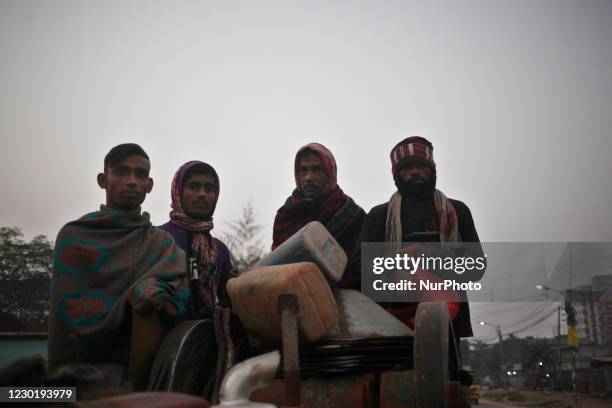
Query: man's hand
[416, 250]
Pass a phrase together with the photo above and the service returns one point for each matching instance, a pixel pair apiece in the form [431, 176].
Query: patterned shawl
[201, 244]
[104, 261]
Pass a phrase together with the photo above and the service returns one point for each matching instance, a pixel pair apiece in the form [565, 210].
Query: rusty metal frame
[289, 309]
[431, 354]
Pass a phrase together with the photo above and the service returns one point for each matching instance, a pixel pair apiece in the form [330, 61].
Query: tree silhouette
[25, 281]
[243, 240]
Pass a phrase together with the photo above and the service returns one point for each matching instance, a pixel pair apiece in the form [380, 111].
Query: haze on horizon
[515, 96]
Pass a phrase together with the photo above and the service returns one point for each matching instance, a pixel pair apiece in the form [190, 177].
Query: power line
[532, 315]
[536, 322]
[535, 317]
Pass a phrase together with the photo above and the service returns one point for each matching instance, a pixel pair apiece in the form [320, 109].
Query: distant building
[586, 315]
[593, 306]
[582, 272]
[603, 309]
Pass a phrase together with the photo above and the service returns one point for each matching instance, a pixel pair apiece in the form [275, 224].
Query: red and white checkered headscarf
[412, 149]
[329, 165]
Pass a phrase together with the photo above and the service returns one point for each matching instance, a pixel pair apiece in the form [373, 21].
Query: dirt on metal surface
[289, 308]
[356, 391]
[397, 389]
[431, 354]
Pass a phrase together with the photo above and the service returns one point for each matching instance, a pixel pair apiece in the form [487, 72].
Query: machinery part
[354, 391]
[147, 400]
[353, 356]
[230, 357]
[458, 395]
[221, 352]
[247, 376]
[356, 356]
[359, 317]
[431, 352]
[397, 389]
[186, 358]
[289, 308]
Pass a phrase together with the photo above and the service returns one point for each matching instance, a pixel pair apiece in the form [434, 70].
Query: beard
[415, 185]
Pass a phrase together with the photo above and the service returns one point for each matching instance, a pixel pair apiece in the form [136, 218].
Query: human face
[199, 195]
[415, 173]
[311, 176]
[126, 183]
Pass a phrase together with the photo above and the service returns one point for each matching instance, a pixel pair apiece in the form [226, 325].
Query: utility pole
[501, 351]
[559, 345]
[501, 355]
[572, 333]
[572, 340]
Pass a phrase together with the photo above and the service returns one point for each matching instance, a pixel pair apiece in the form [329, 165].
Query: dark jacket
[373, 230]
[224, 261]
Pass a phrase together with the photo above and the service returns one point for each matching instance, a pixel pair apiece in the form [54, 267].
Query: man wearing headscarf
[195, 191]
[317, 197]
[418, 212]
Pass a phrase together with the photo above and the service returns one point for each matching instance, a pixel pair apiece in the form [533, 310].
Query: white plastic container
[313, 243]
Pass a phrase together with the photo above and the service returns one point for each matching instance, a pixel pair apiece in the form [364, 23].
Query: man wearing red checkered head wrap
[417, 213]
[317, 197]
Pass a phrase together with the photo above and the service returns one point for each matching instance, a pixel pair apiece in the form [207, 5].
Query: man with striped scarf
[418, 212]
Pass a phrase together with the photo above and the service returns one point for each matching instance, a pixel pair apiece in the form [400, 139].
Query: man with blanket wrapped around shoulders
[317, 197]
[418, 213]
[118, 282]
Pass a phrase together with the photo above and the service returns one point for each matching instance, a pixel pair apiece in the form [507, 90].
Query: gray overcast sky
[515, 96]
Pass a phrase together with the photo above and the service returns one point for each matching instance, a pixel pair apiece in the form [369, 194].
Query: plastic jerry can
[254, 297]
[312, 243]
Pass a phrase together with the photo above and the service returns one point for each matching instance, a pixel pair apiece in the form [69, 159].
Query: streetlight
[549, 289]
[501, 351]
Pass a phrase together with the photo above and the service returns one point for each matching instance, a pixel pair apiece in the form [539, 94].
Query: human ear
[149, 185]
[102, 181]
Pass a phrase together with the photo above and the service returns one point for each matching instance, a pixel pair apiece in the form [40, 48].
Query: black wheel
[185, 361]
